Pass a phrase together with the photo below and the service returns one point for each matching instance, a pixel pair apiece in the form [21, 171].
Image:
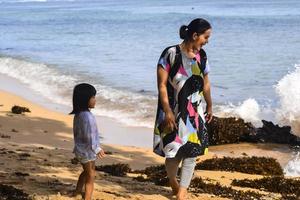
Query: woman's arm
[162, 79]
[207, 97]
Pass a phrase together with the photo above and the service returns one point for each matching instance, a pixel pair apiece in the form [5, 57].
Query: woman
[180, 134]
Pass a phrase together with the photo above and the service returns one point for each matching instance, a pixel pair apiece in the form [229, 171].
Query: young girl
[86, 137]
[182, 74]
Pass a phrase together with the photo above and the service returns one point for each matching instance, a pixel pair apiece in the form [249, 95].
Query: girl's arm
[207, 97]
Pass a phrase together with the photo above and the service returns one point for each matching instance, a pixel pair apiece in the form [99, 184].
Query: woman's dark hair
[81, 95]
[198, 26]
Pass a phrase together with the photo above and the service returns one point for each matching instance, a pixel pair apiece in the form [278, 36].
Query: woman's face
[201, 40]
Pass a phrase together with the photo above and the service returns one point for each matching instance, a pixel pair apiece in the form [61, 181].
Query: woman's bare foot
[182, 193]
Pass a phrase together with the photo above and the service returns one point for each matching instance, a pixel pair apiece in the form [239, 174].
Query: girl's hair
[198, 26]
[81, 95]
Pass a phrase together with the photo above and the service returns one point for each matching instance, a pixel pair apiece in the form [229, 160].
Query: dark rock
[19, 109]
[249, 165]
[273, 134]
[115, 169]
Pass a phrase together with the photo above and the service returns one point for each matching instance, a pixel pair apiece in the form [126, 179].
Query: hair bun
[183, 31]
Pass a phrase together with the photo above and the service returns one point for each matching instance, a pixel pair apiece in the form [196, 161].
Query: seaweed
[19, 109]
[228, 130]
[8, 192]
[249, 165]
[278, 184]
[199, 186]
[156, 174]
[21, 174]
[118, 169]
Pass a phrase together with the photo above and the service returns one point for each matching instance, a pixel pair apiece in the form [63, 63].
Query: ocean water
[254, 53]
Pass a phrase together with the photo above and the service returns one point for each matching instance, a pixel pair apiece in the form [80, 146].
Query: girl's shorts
[84, 160]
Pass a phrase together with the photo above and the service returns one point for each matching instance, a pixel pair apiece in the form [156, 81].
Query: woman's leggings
[187, 169]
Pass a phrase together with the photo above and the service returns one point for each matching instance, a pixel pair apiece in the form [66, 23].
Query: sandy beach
[36, 153]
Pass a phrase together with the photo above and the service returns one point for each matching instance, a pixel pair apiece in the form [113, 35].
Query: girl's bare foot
[75, 195]
[175, 186]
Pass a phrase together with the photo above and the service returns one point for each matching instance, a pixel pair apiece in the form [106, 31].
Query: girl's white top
[86, 135]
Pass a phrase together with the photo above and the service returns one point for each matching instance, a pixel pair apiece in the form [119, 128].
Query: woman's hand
[209, 114]
[170, 122]
[101, 154]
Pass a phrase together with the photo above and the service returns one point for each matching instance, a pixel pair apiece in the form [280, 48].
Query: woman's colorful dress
[185, 91]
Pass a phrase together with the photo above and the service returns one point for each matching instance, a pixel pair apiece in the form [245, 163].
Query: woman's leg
[187, 171]
[172, 169]
[89, 169]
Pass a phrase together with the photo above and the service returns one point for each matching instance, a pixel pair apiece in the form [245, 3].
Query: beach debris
[199, 186]
[108, 152]
[74, 161]
[249, 165]
[118, 169]
[54, 183]
[117, 194]
[277, 184]
[244, 154]
[141, 178]
[24, 155]
[21, 174]
[5, 136]
[142, 91]
[19, 109]
[3, 151]
[8, 192]
[14, 130]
